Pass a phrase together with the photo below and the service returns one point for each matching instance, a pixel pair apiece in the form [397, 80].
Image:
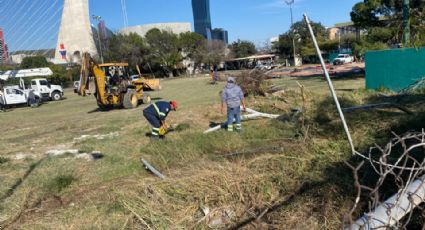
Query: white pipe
[253, 115]
[394, 209]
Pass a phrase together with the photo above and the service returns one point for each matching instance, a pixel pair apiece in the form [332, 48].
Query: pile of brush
[253, 83]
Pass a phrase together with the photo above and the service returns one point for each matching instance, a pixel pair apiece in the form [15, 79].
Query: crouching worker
[156, 114]
[233, 97]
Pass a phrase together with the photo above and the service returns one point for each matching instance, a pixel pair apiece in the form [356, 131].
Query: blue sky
[33, 24]
[255, 20]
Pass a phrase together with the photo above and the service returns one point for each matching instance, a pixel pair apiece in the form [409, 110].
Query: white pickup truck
[13, 95]
[343, 59]
[47, 90]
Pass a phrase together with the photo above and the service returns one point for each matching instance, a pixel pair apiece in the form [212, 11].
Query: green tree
[34, 62]
[190, 43]
[241, 49]
[127, 48]
[303, 40]
[192, 47]
[385, 18]
[164, 50]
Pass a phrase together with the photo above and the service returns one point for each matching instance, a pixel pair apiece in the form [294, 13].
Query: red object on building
[62, 51]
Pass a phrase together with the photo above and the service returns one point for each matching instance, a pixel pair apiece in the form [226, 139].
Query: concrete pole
[331, 87]
[391, 211]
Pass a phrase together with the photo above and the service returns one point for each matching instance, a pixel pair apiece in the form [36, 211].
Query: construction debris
[94, 155]
[58, 152]
[151, 168]
[23, 156]
[218, 218]
[375, 106]
[97, 136]
[252, 115]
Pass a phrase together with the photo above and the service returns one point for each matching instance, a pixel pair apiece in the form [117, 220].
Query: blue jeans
[154, 121]
[234, 115]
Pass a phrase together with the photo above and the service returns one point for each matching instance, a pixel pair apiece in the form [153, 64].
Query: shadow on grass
[100, 110]
[16, 185]
[338, 180]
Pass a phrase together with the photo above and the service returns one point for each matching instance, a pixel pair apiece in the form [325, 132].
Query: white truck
[13, 95]
[47, 90]
[343, 59]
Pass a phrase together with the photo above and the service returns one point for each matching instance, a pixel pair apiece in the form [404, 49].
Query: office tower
[202, 18]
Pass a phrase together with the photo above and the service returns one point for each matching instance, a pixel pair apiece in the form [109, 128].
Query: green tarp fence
[394, 69]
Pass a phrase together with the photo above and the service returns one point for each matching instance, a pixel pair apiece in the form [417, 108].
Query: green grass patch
[4, 160]
[60, 182]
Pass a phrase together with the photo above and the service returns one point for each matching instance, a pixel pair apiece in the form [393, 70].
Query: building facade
[343, 29]
[202, 17]
[176, 28]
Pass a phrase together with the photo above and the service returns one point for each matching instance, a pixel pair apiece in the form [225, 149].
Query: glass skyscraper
[202, 18]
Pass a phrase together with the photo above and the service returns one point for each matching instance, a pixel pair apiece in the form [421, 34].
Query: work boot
[238, 128]
[154, 138]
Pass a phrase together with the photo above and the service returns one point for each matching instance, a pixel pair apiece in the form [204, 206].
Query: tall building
[202, 17]
[75, 33]
[4, 54]
[220, 34]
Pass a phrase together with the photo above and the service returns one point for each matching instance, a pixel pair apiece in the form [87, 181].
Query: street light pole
[290, 3]
[97, 18]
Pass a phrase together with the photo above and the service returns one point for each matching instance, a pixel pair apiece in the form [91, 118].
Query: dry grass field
[287, 173]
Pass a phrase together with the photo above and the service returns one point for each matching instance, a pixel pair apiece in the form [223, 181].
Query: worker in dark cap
[233, 98]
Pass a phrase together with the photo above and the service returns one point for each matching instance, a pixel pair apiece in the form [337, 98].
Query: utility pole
[97, 18]
[290, 3]
[406, 18]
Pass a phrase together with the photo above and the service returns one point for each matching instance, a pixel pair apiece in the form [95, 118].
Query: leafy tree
[214, 52]
[190, 43]
[385, 18]
[192, 47]
[126, 48]
[164, 50]
[241, 49]
[362, 45]
[34, 62]
[303, 40]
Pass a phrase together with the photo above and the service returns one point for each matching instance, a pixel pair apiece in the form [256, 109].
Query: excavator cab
[116, 77]
[109, 83]
[112, 86]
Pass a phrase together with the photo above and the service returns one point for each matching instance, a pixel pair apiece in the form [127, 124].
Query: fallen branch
[252, 115]
[380, 105]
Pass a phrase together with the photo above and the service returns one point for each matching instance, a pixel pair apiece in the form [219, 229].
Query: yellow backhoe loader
[111, 85]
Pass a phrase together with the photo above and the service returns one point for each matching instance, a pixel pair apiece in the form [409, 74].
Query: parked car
[13, 95]
[343, 59]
